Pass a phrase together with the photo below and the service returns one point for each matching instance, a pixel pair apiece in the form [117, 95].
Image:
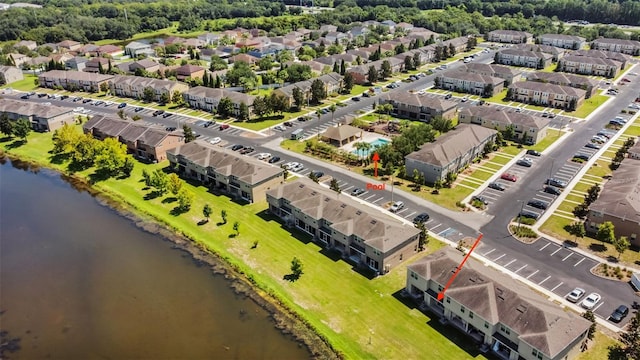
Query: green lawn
[552, 136]
[599, 348]
[588, 106]
[633, 130]
[26, 84]
[499, 98]
[361, 318]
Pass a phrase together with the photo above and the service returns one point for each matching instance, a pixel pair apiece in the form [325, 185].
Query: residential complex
[586, 65]
[526, 58]
[470, 83]
[73, 80]
[555, 52]
[332, 84]
[221, 169]
[562, 41]
[144, 142]
[450, 153]
[42, 117]
[10, 74]
[575, 81]
[205, 98]
[510, 319]
[509, 36]
[359, 233]
[557, 96]
[419, 107]
[507, 73]
[630, 47]
[623, 59]
[137, 87]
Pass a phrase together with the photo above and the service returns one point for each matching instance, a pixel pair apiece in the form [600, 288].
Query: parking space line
[578, 263]
[367, 199]
[489, 252]
[545, 246]
[499, 257]
[533, 273]
[348, 188]
[382, 197]
[409, 214]
[558, 249]
[510, 262]
[557, 286]
[596, 308]
[566, 257]
[523, 266]
[547, 278]
[401, 211]
[435, 227]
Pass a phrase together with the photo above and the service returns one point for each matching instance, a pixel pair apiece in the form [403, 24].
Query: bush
[523, 231]
[526, 221]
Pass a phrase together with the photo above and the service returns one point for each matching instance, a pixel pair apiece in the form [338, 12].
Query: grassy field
[589, 106]
[361, 318]
[26, 84]
[552, 136]
[499, 98]
[599, 349]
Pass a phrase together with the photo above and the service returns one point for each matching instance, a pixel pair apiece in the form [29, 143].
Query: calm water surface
[78, 281]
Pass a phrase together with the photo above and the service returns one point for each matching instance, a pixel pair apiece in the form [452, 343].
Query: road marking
[553, 253]
[348, 188]
[409, 214]
[578, 263]
[547, 278]
[557, 286]
[567, 256]
[382, 197]
[596, 308]
[489, 252]
[545, 246]
[499, 257]
[367, 199]
[510, 262]
[401, 211]
[530, 275]
[523, 266]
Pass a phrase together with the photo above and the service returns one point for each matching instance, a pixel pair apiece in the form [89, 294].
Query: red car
[224, 126]
[510, 177]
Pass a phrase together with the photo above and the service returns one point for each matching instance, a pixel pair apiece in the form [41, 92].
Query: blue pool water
[375, 143]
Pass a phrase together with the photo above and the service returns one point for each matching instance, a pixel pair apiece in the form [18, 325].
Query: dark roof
[562, 78]
[620, 196]
[127, 130]
[32, 109]
[549, 88]
[471, 77]
[405, 97]
[488, 113]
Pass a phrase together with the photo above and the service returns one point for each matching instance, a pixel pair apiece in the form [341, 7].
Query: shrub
[523, 231]
[526, 221]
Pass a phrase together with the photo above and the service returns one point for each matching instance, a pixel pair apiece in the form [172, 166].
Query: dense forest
[92, 20]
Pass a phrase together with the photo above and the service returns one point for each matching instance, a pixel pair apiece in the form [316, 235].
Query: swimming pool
[374, 144]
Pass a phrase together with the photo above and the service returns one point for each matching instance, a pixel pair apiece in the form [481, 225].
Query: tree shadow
[177, 211]
[6, 139]
[75, 166]
[203, 222]
[98, 176]
[169, 200]
[597, 247]
[291, 277]
[232, 236]
[569, 243]
[152, 195]
[59, 158]
[16, 144]
[220, 223]
[612, 259]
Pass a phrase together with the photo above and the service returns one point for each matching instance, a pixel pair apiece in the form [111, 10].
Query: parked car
[237, 147]
[591, 301]
[575, 295]
[122, 105]
[357, 192]
[396, 206]
[64, 97]
[556, 182]
[263, 156]
[528, 214]
[526, 162]
[86, 101]
[619, 313]
[316, 174]
[480, 198]
[592, 146]
[287, 123]
[224, 126]
[41, 95]
[290, 165]
[209, 123]
[464, 99]
[247, 150]
[98, 103]
[539, 204]
[421, 218]
[533, 152]
[158, 112]
[616, 123]
[496, 186]
[138, 109]
[355, 98]
[274, 159]
[552, 190]
[280, 128]
[582, 156]
[215, 140]
[625, 80]
[599, 139]
[448, 96]
[77, 99]
[509, 177]
[298, 168]
[166, 115]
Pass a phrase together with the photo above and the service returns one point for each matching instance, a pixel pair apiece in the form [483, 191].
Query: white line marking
[578, 263]
[545, 246]
[540, 283]
[382, 197]
[510, 262]
[499, 257]
[409, 214]
[596, 308]
[567, 256]
[367, 199]
[530, 275]
[553, 253]
[348, 188]
[523, 266]
[557, 286]
[435, 227]
[489, 252]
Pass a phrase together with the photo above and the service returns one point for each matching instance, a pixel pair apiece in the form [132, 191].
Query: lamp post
[520, 214]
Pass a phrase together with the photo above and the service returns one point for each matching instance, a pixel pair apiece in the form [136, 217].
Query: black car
[592, 146]
[64, 97]
[581, 156]
[533, 152]
[538, 204]
[24, 97]
[620, 313]
[122, 105]
[480, 199]
[209, 123]
[41, 95]
[421, 218]
[158, 112]
[355, 99]
[552, 190]
[528, 214]
[496, 186]
[237, 147]
[556, 183]
[287, 123]
[86, 101]
[138, 109]
[166, 115]
[171, 128]
[316, 174]
[357, 192]
[448, 96]
[274, 159]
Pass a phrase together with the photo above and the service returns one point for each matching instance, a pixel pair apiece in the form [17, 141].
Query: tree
[111, 157]
[261, 106]
[236, 228]
[85, 150]
[185, 199]
[577, 230]
[148, 94]
[128, 166]
[347, 83]
[159, 181]
[606, 232]
[240, 70]
[416, 60]
[121, 114]
[509, 132]
[223, 215]
[22, 128]
[621, 244]
[225, 107]
[243, 112]
[6, 126]
[333, 185]
[206, 211]
[423, 238]
[314, 177]
[592, 329]
[630, 339]
[177, 98]
[372, 74]
[296, 268]
[318, 91]
[408, 63]
[343, 68]
[65, 139]
[265, 63]
[217, 63]
[298, 98]
[104, 87]
[174, 183]
[333, 109]
[146, 177]
[592, 194]
[189, 136]
[385, 68]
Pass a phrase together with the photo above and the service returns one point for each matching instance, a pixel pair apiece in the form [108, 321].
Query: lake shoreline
[284, 319]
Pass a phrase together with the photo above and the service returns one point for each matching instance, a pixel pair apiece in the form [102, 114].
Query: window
[470, 314]
[448, 300]
[505, 330]
[486, 325]
[462, 309]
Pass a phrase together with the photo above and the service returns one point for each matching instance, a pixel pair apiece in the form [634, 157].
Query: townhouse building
[619, 201]
[76, 63]
[135, 87]
[623, 59]
[550, 95]
[509, 74]
[189, 71]
[29, 44]
[358, 233]
[511, 320]
[585, 65]
[509, 36]
[562, 41]
[144, 142]
[73, 80]
[332, 83]
[206, 98]
[68, 45]
[42, 117]
[10, 74]
[242, 177]
[97, 65]
[528, 128]
[471, 83]
[557, 78]
[630, 47]
[555, 52]
[136, 48]
[526, 58]
[450, 153]
[419, 107]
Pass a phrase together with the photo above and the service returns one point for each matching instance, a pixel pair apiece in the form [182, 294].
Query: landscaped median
[360, 318]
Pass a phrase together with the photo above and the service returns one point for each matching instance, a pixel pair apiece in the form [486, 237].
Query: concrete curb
[494, 177]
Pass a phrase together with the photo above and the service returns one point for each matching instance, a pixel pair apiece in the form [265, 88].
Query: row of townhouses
[525, 58]
[419, 107]
[545, 94]
[207, 99]
[585, 65]
[10, 74]
[332, 84]
[629, 47]
[529, 128]
[42, 117]
[509, 36]
[468, 82]
[557, 78]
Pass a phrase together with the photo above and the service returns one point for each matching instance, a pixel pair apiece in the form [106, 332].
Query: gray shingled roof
[549, 88]
[127, 130]
[138, 81]
[341, 132]
[562, 78]
[620, 196]
[525, 53]
[29, 109]
[471, 77]
[76, 75]
[405, 97]
[488, 113]
[590, 60]
[563, 37]
[498, 70]
[501, 299]
[213, 93]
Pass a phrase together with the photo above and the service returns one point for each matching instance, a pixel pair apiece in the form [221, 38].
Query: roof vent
[358, 212]
[373, 222]
[499, 291]
[326, 199]
[343, 206]
[313, 193]
[522, 308]
[301, 186]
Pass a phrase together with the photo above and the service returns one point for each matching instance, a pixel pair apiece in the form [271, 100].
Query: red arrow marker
[453, 277]
[375, 159]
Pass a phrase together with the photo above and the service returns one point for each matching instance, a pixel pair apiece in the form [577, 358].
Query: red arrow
[441, 293]
[375, 159]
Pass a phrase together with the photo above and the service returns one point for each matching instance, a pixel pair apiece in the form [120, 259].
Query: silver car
[397, 206]
[575, 295]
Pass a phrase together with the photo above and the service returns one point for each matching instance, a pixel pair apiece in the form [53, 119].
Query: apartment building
[526, 58]
[509, 36]
[557, 96]
[511, 320]
[361, 235]
[509, 74]
[471, 83]
[623, 59]
[332, 84]
[630, 47]
[450, 152]
[528, 128]
[205, 98]
[585, 65]
[135, 86]
[243, 177]
[562, 41]
[419, 107]
[10, 74]
[73, 80]
[42, 117]
[575, 81]
[555, 52]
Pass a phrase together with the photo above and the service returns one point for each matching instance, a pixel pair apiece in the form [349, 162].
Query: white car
[465, 99]
[397, 206]
[290, 165]
[297, 168]
[263, 156]
[215, 140]
[280, 128]
[590, 301]
[575, 295]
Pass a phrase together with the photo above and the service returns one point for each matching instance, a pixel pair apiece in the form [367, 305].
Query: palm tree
[359, 146]
[333, 109]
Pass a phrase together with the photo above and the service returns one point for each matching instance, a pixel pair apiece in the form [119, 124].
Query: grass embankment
[361, 318]
[26, 84]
